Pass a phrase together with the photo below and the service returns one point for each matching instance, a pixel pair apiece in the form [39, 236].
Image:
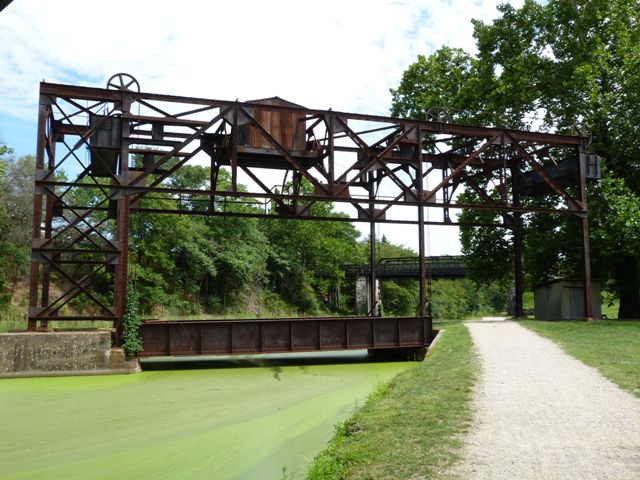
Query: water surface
[223, 418]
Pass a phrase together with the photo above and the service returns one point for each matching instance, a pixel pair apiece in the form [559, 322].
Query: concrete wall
[31, 354]
[563, 300]
[363, 295]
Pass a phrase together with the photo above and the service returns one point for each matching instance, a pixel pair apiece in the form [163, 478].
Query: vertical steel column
[332, 150]
[233, 157]
[122, 233]
[586, 268]
[517, 265]
[48, 224]
[213, 184]
[421, 242]
[517, 240]
[446, 217]
[34, 280]
[584, 224]
[373, 291]
[120, 299]
[335, 297]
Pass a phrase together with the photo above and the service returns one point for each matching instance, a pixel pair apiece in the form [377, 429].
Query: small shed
[269, 126]
[563, 299]
[286, 127]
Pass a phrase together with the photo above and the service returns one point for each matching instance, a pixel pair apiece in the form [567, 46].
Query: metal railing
[448, 266]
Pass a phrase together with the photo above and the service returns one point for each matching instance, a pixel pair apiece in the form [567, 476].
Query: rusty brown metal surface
[285, 127]
[378, 168]
[105, 95]
[279, 335]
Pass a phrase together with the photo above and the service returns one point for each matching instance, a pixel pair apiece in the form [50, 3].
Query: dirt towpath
[541, 414]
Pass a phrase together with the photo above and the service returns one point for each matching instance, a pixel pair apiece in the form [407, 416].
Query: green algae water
[226, 419]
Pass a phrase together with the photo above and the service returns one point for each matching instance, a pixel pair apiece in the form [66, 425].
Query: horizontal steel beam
[318, 198]
[280, 335]
[101, 94]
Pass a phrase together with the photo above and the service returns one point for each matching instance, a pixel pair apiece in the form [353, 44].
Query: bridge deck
[409, 267]
[279, 335]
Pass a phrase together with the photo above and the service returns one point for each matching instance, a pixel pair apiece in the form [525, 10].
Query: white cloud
[340, 54]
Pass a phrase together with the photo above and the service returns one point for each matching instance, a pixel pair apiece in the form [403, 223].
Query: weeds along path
[541, 414]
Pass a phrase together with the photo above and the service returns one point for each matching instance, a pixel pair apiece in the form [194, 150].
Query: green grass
[611, 346]
[413, 427]
[216, 423]
[12, 321]
[13, 318]
[527, 301]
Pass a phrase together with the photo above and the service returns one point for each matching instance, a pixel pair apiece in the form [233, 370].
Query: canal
[222, 418]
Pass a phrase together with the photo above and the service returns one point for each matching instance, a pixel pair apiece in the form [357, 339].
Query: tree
[550, 66]
[178, 261]
[16, 198]
[16, 204]
[305, 257]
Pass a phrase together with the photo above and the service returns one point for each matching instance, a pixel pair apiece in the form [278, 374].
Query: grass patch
[412, 427]
[611, 346]
[12, 319]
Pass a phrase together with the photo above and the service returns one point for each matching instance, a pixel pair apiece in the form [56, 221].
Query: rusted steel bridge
[445, 266]
[120, 146]
[229, 337]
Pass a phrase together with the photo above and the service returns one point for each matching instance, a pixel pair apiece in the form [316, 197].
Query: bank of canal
[227, 419]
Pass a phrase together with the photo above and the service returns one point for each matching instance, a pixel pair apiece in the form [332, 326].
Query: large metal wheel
[124, 82]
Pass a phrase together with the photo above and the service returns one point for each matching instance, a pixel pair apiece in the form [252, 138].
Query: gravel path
[541, 414]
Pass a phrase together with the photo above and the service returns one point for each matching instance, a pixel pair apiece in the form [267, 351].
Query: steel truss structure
[448, 267]
[118, 146]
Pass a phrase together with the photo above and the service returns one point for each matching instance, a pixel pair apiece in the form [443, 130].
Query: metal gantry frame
[118, 146]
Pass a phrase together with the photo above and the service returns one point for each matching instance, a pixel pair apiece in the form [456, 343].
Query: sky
[340, 54]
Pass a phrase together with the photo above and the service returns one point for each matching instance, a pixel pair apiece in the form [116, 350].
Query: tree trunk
[628, 282]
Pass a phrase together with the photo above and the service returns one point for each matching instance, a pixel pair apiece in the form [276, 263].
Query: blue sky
[338, 54]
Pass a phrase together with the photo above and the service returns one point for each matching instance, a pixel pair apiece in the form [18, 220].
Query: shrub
[131, 342]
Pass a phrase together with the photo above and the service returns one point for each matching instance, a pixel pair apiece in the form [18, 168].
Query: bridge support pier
[363, 297]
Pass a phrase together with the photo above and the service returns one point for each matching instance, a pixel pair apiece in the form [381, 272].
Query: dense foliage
[449, 299]
[16, 203]
[549, 66]
[226, 264]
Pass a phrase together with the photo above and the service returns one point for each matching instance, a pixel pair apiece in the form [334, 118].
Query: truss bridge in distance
[436, 267]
